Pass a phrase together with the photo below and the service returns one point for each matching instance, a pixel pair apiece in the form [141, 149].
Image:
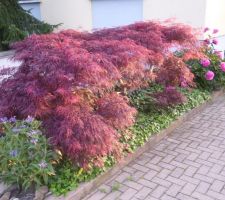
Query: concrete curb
[86, 188]
[4, 54]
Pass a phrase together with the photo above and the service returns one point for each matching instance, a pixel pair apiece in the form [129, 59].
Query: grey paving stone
[217, 185]
[174, 190]
[128, 194]
[3, 187]
[143, 193]
[158, 192]
[202, 187]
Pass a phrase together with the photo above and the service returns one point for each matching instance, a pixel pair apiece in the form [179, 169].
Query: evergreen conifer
[16, 23]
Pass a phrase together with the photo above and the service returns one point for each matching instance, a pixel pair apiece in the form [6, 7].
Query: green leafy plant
[68, 176]
[102, 190]
[142, 99]
[26, 157]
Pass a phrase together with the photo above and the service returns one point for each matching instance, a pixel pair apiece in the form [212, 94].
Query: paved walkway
[188, 165]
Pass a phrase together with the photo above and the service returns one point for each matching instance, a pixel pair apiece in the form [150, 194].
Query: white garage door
[111, 13]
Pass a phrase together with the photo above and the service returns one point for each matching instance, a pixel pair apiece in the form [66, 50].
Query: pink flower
[215, 31]
[206, 29]
[205, 62]
[207, 41]
[222, 66]
[209, 75]
[219, 54]
[215, 41]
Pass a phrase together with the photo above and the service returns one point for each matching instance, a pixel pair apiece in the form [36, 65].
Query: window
[33, 6]
[111, 13]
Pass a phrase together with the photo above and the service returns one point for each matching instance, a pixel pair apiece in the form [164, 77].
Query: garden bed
[82, 102]
[72, 188]
[180, 117]
[197, 102]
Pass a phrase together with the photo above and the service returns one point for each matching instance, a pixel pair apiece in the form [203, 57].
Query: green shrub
[26, 157]
[16, 23]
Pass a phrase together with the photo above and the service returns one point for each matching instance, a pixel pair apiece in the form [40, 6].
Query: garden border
[86, 188]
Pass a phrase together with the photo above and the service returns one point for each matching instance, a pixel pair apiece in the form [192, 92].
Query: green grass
[149, 121]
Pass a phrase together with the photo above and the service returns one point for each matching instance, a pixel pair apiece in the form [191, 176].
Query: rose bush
[209, 71]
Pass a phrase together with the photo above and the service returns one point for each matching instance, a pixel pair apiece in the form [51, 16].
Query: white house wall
[74, 14]
[215, 15]
[191, 12]
[89, 14]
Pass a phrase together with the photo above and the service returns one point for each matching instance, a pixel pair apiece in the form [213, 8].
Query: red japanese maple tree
[68, 81]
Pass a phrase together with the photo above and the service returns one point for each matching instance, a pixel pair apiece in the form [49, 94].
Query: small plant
[169, 97]
[116, 187]
[130, 178]
[102, 190]
[26, 157]
[174, 72]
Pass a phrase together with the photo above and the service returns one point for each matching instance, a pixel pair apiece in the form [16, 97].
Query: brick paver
[189, 164]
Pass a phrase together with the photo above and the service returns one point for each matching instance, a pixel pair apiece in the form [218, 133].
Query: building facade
[94, 14]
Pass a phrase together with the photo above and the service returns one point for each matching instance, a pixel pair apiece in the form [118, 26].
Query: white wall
[191, 12]
[74, 14]
[215, 15]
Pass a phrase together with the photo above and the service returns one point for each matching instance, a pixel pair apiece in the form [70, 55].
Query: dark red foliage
[115, 110]
[131, 60]
[82, 134]
[67, 80]
[180, 34]
[174, 72]
[169, 97]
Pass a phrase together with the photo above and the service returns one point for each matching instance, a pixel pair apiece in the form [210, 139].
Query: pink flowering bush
[222, 66]
[219, 54]
[209, 75]
[215, 41]
[215, 31]
[209, 71]
[205, 62]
